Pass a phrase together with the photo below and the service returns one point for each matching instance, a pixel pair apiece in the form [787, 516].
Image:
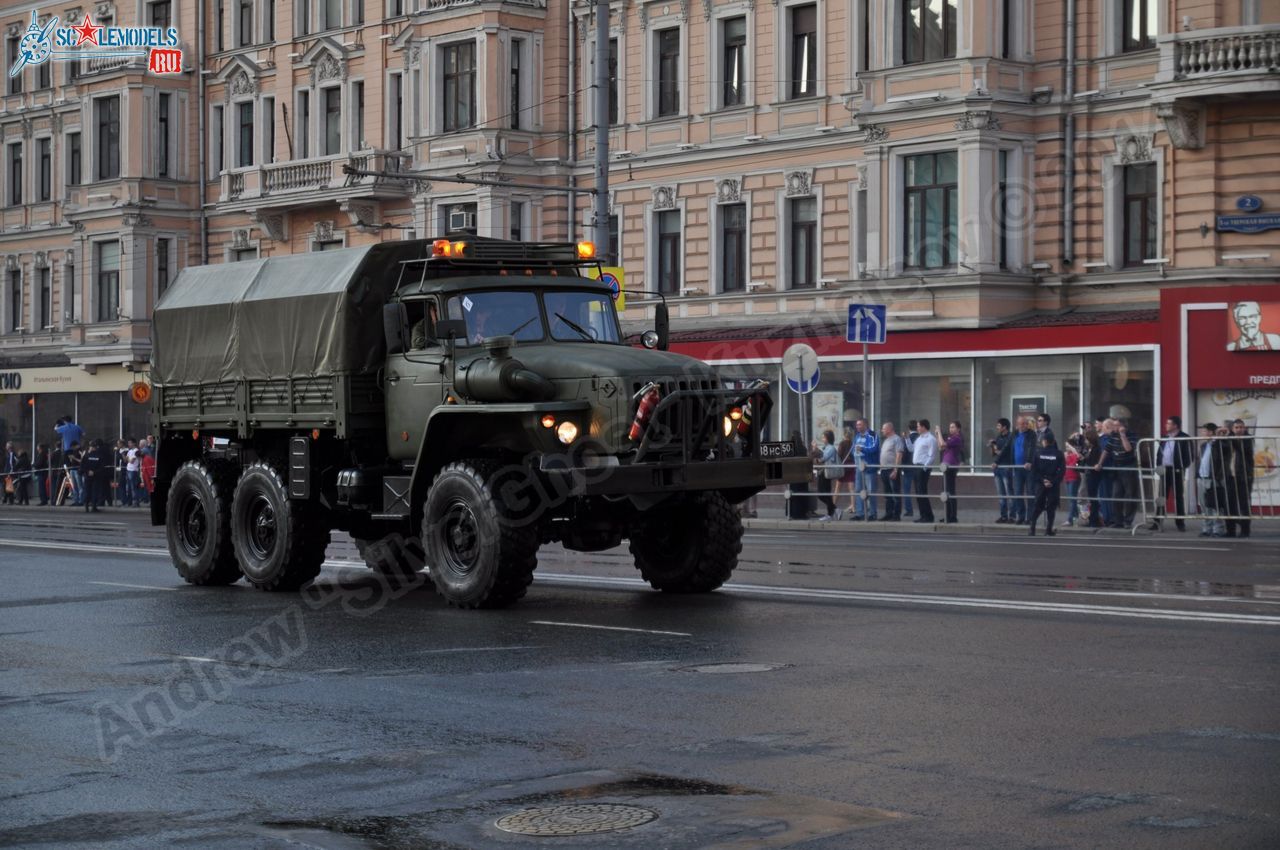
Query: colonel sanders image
[1248, 319]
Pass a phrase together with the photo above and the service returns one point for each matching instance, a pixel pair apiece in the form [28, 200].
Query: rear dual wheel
[279, 542]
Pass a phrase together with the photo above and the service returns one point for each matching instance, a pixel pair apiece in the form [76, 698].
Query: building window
[44, 157]
[304, 124]
[71, 303]
[215, 142]
[11, 59]
[930, 210]
[357, 12]
[160, 14]
[804, 242]
[241, 254]
[244, 134]
[220, 24]
[613, 250]
[268, 130]
[74, 159]
[395, 8]
[394, 134]
[668, 226]
[15, 174]
[15, 300]
[302, 10]
[804, 50]
[244, 23]
[1139, 25]
[332, 14]
[329, 245]
[517, 221]
[733, 247]
[668, 72]
[613, 81]
[1002, 208]
[44, 75]
[108, 123]
[1141, 228]
[517, 49]
[734, 33]
[357, 127]
[332, 121]
[459, 86]
[928, 30]
[163, 272]
[46, 299]
[164, 119]
[269, 24]
[458, 218]
[107, 260]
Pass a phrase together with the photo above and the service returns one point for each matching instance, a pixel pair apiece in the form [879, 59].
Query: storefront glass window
[50, 407]
[1121, 385]
[835, 403]
[1019, 384]
[99, 416]
[937, 390]
[137, 419]
[15, 420]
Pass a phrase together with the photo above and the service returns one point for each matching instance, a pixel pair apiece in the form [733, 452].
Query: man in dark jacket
[1024, 450]
[1047, 468]
[1211, 479]
[41, 462]
[1176, 456]
[1001, 468]
[1238, 454]
[95, 472]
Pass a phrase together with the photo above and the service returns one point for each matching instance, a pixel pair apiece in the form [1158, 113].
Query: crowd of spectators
[75, 470]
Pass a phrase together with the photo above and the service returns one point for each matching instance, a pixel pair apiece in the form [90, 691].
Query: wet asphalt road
[899, 690]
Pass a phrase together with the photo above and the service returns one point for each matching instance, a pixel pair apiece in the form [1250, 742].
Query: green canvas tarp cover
[299, 315]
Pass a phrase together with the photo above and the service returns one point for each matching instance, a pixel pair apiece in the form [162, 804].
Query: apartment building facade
[769, 164]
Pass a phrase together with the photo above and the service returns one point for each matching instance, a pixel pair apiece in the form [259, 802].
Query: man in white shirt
[924, 456]
[133, 479]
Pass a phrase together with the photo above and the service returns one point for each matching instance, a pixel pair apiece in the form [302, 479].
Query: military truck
[452, 404]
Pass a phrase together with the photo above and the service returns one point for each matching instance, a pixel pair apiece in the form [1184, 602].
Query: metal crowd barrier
[1242, 484]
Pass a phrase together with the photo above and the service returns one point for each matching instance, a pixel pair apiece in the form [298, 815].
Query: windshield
[580, 316]
[571, 316]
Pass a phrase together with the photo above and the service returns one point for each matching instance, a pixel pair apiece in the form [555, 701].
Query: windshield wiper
[577, 327]
[523, 325]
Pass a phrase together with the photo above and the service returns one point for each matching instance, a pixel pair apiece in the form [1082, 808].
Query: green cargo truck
[452, 404]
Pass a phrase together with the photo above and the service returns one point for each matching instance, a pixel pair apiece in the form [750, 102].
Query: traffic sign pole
[866, 414]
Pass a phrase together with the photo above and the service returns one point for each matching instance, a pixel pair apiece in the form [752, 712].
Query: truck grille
[688, 425]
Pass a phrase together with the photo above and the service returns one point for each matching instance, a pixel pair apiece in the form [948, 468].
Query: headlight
[567, 432]
[728, 426]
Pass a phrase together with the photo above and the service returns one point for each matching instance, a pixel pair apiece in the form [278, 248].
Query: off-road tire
[688, 545]
[393, 555]
[198, 523]
[279, 542]
[480, 555]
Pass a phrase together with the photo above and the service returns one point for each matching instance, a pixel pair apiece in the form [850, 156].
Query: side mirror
[394, 318]
[662, 325]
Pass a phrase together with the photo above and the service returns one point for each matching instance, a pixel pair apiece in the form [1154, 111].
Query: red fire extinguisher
[649, 397]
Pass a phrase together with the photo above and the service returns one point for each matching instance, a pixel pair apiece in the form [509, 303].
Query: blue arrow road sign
[866, 324]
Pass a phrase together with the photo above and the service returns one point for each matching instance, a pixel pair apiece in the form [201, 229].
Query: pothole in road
[583, 819]
[732, 667]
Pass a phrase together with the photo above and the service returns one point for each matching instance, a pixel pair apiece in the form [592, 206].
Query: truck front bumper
[749, 474]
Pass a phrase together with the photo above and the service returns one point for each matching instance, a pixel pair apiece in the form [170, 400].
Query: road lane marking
[812, 539]
[85, 547]
[609, 628]
[201, 659]
[476, 649]
[805, 593]
[135, 586]
[1181, 597]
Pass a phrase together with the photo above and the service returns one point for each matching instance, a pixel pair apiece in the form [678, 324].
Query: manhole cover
[575, 820]
[733, 667]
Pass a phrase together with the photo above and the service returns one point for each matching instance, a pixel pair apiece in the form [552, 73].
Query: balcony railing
[105, 64]
[1197, 54]
[288, 180]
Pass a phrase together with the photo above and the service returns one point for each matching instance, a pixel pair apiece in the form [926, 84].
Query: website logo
[87, 39]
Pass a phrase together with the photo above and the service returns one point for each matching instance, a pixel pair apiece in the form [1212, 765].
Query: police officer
[95, 472]
[1047, 468]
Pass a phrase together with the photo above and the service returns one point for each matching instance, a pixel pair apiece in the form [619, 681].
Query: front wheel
[688, 545]
[279, 542]
[480, 554]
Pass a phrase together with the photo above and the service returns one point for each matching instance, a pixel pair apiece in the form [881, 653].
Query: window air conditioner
[462, 220]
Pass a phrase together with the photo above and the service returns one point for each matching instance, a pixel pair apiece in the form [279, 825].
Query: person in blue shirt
[69, 431]
[866, 450]
[1024, 447]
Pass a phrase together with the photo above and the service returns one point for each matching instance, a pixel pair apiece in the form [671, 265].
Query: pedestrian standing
[1118, 454]
[1211, 481]
[73, 457]
[924, 456]
[147, 472]
[1024, 447]
[1001, 446]
[1103, 475]
[70, 434]
[23, 478]
[909, 438]
[1047, 470]
[95, 472]
[848, 474]
[866, 454]
[952, 459]
[133, 475]
[1072, 478]
[1090, 454]
[56, 473]
[41, 469]
[9, 473]
[828, 471]
[119, 482]
[892, 450]
[1176, 457]
[1239, 466]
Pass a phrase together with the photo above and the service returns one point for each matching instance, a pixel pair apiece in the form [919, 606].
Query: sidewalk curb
[908, 526]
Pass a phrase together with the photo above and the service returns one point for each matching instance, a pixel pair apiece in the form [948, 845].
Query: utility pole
[601, 216]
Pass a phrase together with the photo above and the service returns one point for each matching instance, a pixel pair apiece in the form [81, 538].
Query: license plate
[772, 451]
